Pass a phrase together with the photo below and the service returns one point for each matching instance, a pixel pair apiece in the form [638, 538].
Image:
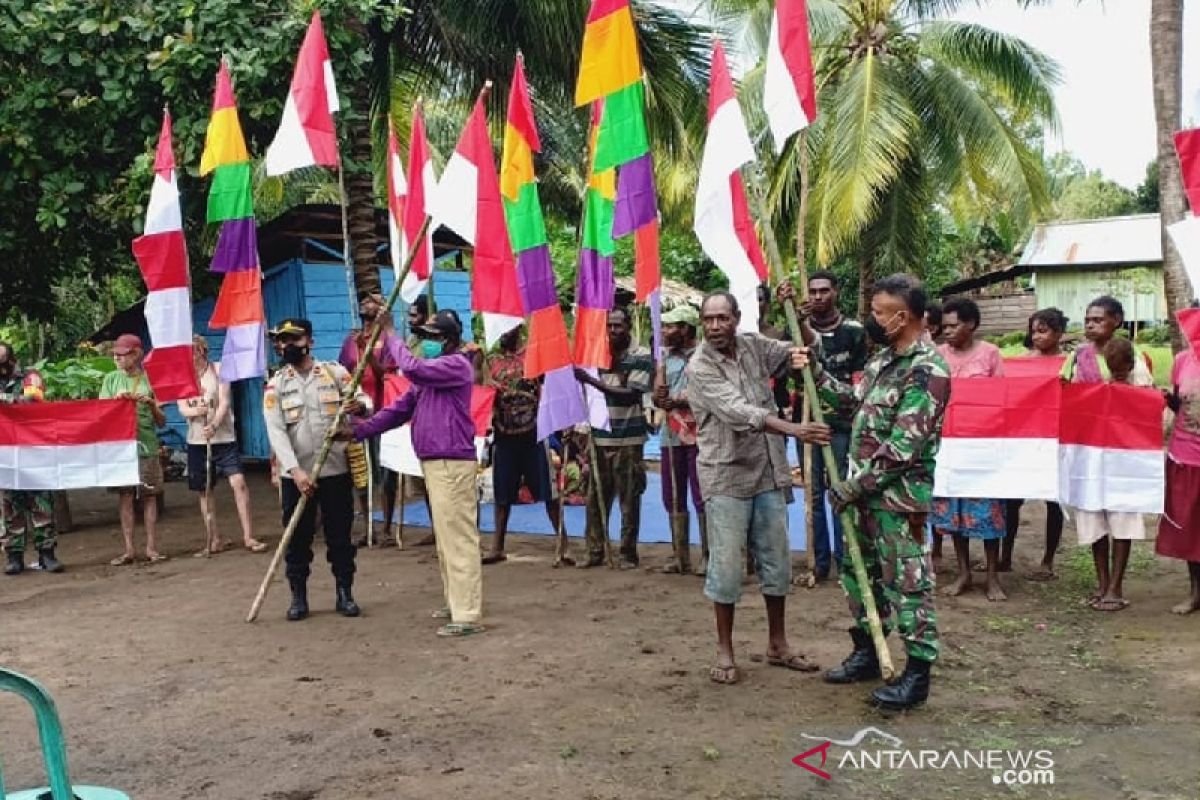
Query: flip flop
[121, 561]
[1090, 601]
[256, 546]
[1111, 605]
[441, 613]
[725, 675]
[793, 661]
[156, 558]
[459, 629]
[1042, 576]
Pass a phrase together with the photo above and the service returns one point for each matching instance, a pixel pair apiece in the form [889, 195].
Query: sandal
[121, 560]
[441, 613]
[457, 629]
[1091, 600]
[793, 661]
[155, 558]
[255, 546]
[725, 675]
[1110, 604]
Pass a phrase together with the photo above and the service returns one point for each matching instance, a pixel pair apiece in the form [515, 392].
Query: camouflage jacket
[897, 410]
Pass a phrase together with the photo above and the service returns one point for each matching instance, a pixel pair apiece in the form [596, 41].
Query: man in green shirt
[129, 382]
[620, 468]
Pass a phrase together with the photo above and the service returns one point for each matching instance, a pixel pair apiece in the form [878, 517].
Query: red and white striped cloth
[789, 96]
[68, 445]
[1090, 446]
[306, 136]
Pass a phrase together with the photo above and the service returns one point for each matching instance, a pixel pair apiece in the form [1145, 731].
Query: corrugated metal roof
[1116, 241]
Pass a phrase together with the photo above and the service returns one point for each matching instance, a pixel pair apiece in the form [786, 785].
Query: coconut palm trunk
[1166, 62]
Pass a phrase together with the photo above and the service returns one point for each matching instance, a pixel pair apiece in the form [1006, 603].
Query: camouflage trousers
[622, 474]
[901, 579]
[23, 509]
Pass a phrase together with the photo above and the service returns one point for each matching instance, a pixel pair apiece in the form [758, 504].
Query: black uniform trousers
[335, 497]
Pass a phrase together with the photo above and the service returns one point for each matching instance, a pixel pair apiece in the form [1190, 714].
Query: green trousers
[901, 580]
[23, 510]
[622, 474]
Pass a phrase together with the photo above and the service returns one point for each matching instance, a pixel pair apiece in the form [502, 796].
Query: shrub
[75, 378]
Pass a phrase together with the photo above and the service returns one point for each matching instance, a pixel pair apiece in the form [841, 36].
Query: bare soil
[588, 684]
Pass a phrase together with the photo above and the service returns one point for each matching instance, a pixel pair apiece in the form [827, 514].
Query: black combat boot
[298, 610]
[47, 561]
[16, 563]
[911, 690]
[345, 604]
[861, 665]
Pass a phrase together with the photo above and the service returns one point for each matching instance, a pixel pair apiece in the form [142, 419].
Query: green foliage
[1146, 194]
[76, 378]
[1009, 341]
[1155, 334]
[1093, 196]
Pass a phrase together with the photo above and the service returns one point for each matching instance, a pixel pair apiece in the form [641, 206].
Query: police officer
[299, 404]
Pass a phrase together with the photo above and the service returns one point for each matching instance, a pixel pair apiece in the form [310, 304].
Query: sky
[1105, 101]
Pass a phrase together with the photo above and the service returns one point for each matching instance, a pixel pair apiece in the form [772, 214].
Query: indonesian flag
[789, 97]
[75, 444]
[306, 137]
[722, 218]
[162, 258]
[1090, 446]
[395, 446]
[468, 202]
[407, 204]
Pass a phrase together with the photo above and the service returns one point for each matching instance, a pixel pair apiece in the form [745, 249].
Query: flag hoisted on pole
[407, 205]
[306, 136]
[789, 96]
[1185, 234]
[547, 350]
[162, 258]
[722, 218]
[468, 202]
[239, 306]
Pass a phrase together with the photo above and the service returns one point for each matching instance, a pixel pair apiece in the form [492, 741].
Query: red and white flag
[75, 444]
[162, 258]
[1090, 446]
[722, 218]
[468, 202]
[407, 199]
[306, 136]
[789, 96]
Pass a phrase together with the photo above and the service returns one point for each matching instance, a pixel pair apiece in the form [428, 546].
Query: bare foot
[960, 586]
[1187, 607]
[1042, 574]
[995, 593]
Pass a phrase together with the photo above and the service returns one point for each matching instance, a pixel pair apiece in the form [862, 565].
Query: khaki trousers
[452, 499]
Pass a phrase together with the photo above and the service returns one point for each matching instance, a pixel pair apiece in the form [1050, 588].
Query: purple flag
[636, 203]
[244, 354]
[535, 279]
[561, 405]
[655, 324]
[595, 286]
[237, 246]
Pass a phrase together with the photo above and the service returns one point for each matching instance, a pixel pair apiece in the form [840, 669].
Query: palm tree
[1166, 63]
[446, 49]
[914, 110]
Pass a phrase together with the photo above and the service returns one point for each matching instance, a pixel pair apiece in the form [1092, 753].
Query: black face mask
[294, 354]
[878, 333]
[7, 368]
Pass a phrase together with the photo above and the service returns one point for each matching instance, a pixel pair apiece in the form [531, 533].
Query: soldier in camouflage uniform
[897, 410]
[24, 509]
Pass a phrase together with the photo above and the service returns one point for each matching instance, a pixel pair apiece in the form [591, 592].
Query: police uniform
[299, 408]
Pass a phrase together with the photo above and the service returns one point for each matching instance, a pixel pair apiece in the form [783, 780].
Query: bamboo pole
[597, 489]
[400, 502]
[810, 391]
[327, 445]
[806, 451]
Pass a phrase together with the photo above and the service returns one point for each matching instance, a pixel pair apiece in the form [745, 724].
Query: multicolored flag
[407, 200]
[595, 286]
[75, 444]
[239, 306]
[722, 219]
[610, 60]
[468, 202]
[547, 349]
[789, 97]
[306, 136]
[162, 258]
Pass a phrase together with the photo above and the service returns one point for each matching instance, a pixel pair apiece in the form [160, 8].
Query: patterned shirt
[898, 409]
[843, 353]
[627, 418]
[515, 410]
[731, 398]
[677, 419]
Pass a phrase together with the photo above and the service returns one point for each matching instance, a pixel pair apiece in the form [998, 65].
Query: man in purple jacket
[443, 435]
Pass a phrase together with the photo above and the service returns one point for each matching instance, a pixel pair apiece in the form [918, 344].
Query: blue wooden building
[304, 276]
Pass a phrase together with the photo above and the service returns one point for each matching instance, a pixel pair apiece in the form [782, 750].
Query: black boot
[47, 561]
[911, 690]
[16, 563]
[298, 610]
[345, 604]
[860, 665]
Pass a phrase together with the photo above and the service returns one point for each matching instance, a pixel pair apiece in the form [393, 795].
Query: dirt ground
[588, 684]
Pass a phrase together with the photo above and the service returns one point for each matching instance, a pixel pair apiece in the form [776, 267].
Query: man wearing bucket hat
[299, 404]
[678, 436]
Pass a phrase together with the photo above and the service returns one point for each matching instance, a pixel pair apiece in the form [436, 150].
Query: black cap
[443, 323]
[292, 326]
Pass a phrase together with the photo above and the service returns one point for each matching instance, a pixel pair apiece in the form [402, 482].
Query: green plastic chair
[54, 747]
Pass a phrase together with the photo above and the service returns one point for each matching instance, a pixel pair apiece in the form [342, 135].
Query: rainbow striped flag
[239, 307]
